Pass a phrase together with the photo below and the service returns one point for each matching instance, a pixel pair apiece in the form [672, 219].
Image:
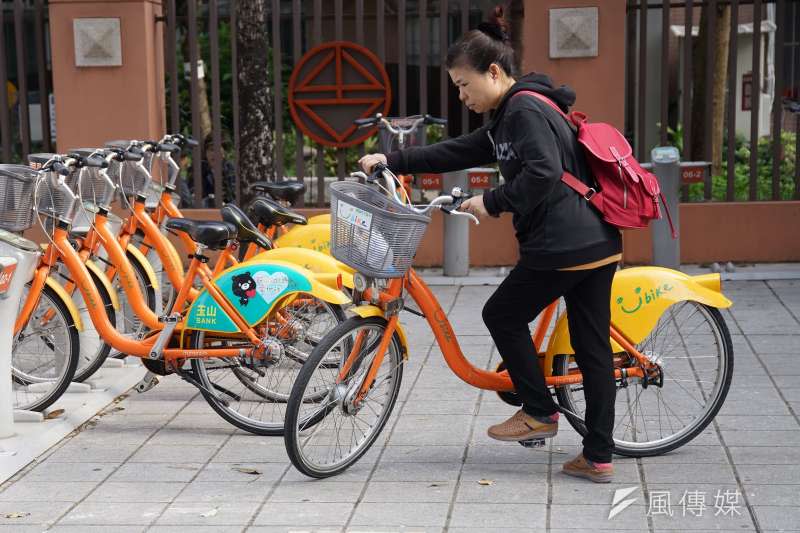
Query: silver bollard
[666, 166]
[456, 230]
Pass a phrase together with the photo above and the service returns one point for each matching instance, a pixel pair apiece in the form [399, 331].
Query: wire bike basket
[16, 197]
[130, 181]
[371, 232]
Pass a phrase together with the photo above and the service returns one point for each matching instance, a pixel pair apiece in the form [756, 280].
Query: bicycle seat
[215, 235]
[246, 231]
[270, 213]
[281, 190]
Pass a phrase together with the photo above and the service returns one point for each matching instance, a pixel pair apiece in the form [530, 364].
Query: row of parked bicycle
[289, 326]
[104, 285]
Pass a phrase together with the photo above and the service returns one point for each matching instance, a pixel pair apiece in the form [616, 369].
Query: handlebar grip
[94, 161]
[60, 168]
[377, 170]
[132, 155]
[435, 120]
[167, 147]
[364, 121]
[191, 143]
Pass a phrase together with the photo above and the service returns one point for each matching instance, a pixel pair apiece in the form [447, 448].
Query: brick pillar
[599, 81]
[95, 104]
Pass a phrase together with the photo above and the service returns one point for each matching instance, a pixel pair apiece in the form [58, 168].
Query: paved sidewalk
[163, 461]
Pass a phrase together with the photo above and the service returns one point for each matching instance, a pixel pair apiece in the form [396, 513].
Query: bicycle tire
[295, 423]
[88, 365]
[684, 435]
[273, 391]
[60, 382]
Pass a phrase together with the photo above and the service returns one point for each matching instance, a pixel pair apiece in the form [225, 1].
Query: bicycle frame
[447, 341]
[62, 250]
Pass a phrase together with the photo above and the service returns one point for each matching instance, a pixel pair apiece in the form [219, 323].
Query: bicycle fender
[366, 311]
[316, 262]
[324, 218]
[639, 296]
[65, 297]
[313, 237]
[254, 288]
[92, 267]
[148, 268]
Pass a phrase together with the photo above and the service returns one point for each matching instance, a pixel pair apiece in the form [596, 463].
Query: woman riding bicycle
[566, 249]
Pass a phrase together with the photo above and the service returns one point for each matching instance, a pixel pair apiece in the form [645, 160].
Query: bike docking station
[456, 229]
[25, 435]
[672, 173]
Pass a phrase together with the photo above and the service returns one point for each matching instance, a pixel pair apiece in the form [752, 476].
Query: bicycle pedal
[533, 443]
[149, 381]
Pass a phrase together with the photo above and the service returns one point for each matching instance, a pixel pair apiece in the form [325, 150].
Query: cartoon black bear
[244, 286]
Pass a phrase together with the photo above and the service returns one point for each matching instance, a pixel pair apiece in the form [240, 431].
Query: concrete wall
[97, 104]
[599, 81]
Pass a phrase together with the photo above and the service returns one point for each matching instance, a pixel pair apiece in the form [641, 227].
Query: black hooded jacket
[533, 144]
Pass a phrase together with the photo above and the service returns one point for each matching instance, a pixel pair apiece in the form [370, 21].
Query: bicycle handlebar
[383, 122]
[448, 203]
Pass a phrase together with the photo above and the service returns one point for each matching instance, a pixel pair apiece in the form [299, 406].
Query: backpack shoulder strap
[546, 100]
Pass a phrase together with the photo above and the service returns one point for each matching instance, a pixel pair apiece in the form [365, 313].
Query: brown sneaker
[522, 426]
[582, 467]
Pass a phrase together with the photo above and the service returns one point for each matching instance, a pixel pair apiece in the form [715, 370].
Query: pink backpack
[628, 196]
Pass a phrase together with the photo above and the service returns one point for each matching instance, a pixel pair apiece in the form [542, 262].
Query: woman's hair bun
[493, 30]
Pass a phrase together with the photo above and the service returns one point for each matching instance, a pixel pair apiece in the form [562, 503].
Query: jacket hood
[563, 95]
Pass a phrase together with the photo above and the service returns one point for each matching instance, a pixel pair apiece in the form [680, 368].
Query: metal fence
[409, 36]
[25, 79]
[761, 92]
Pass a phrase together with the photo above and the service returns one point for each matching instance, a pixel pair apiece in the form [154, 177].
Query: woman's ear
[494, 71]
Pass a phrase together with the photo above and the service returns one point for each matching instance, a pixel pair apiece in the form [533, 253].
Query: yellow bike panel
[639, 296]
[148, 268]
[254, 288]
[316, 262]
[320, 219]
[366, 311]
[92, 266]
[313, 237]
[71, 307]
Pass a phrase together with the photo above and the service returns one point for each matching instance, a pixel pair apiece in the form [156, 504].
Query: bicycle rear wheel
[326, 432]
[44, 354]
[692, 345]
[252, 394]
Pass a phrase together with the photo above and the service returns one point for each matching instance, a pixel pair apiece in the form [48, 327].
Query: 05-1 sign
[431, 182]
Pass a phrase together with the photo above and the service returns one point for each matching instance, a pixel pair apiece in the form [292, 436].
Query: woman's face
[480, 92]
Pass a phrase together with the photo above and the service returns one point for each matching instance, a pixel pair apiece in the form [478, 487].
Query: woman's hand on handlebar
[370, 160]
[475, 206]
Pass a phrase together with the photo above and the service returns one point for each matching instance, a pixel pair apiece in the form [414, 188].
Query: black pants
[517, 302]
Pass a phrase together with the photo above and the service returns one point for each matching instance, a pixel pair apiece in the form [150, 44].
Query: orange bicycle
[673, 355]
[234, 324]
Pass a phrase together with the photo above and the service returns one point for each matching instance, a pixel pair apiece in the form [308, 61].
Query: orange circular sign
[334, 84]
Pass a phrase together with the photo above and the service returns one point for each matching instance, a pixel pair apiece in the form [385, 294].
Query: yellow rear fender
[320, 219]
[366, 311]
[65, 297]
[92, 266]
[315, 261]
[639, 297]
[148, 268]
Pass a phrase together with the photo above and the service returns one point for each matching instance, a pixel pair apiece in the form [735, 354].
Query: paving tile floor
[163, 461]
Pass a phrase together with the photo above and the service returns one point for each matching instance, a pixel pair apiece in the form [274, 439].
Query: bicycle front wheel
[327, 429]
[692, 346]
[44, 354]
